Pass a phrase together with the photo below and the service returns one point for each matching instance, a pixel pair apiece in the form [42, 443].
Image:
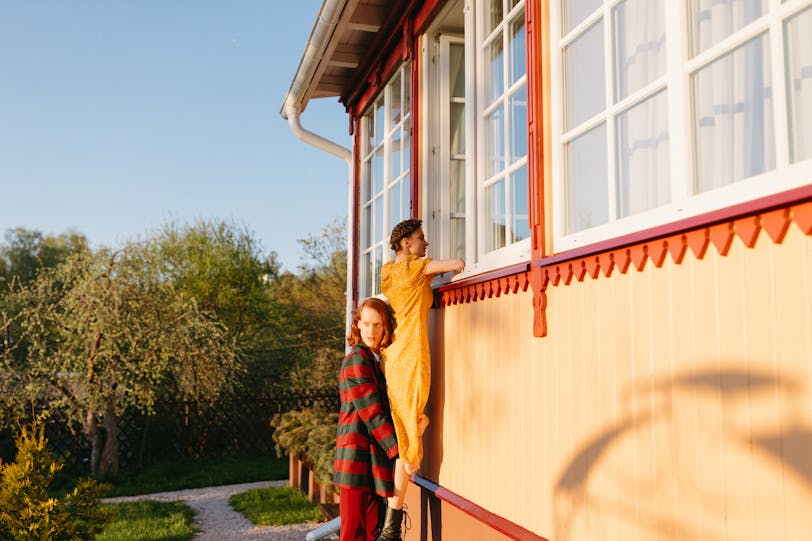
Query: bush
[310, 435]
[28, 513]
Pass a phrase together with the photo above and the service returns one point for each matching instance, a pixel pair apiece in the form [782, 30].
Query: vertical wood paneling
[669, 403]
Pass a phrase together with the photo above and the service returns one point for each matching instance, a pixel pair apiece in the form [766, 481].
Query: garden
[186, 359]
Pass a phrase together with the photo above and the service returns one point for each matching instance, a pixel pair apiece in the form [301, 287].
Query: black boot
[391, 525]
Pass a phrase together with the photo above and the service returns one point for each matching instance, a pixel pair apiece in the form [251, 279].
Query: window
[476, 131]
[385, 183]
[663, 110]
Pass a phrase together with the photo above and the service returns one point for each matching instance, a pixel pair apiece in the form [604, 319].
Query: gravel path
[219, 522]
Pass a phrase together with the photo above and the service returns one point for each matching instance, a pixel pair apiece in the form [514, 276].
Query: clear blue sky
[117, 116]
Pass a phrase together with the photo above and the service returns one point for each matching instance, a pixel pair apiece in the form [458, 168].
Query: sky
[119, 116]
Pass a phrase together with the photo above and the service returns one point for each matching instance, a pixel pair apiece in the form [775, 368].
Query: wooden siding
[669, 403]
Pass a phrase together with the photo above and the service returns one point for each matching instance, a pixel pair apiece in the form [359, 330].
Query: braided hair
[403, 230]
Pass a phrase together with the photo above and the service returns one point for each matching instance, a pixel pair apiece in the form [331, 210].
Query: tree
[106, 331]
[222, 267]
[312, 305]
[27, 512]
[25, 252]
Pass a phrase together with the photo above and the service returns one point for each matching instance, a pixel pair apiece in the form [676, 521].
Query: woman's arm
[439, 266]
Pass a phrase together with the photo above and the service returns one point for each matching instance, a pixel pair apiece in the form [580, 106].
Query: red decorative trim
[497, 522]
[747, 228]
[490, 284]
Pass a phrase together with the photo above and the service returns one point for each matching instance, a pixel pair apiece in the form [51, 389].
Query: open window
[474, 121]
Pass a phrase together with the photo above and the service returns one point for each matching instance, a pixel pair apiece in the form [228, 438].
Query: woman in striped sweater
[366, 446]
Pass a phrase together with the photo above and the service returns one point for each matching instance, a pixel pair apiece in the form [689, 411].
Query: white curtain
[799, 80]
[643, 166]
[732, 97]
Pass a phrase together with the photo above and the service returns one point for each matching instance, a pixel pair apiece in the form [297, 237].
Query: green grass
[178, 475]
[149, 521]
[275, 506]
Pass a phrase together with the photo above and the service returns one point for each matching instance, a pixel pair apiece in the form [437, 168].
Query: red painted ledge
[493, 520]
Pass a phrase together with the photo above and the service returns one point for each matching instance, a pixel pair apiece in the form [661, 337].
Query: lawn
[178, 475]
[149, 521]
[275, 506]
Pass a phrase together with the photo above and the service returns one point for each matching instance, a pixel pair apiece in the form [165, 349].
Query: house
[628, 354]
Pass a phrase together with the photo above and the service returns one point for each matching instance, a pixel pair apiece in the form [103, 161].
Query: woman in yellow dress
[406, 283]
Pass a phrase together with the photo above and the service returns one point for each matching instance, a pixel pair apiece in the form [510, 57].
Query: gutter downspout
[293, 115]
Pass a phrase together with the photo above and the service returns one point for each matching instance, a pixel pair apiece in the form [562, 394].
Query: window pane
[495, 141]
[366, 181]
[457, 186]
[395, 107]
[407, 196]
[587, 193]
[712, 20]
[394, 157]
[378, 134]
[584, 76]
[376, 282]
[799, 84]
[394, 207]
[366, 226]
[369, 123]
[643, 166]
[377, 171]
[457, 128]
[493, 15]
[457, 238]
[495, 67]
[518, 49]
[495, 216]
[518, 205]
[377, 225]
[456, 77]
[639, 44]
[367, 273]
[407, 105]
[575, 11]
[518, 125]
[734, 123]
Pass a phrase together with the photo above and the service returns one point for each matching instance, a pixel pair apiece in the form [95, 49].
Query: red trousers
[361, 514]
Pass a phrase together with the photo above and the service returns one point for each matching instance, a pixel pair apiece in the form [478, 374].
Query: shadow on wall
[710, 455]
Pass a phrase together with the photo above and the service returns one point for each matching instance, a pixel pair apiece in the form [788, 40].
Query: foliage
[150, 521]
[25, 252]
[313, 307]
[102, 332]
[27, 512]
[310, 435]
[178, 475]
[275, 506]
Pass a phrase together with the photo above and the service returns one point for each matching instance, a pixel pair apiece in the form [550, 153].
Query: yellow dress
[407, 364]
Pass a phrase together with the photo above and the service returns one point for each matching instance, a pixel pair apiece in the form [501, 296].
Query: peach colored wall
[669, 403]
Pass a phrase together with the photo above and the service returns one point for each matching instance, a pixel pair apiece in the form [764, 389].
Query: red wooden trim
[425, 15]
[497, 522]
[536, 22]
[708, 219]
[376, 80]
[414, 131]
[355, 186]
[486, 277]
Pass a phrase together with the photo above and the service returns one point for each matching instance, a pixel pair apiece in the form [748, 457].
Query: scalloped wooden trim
[775, 223]
[486, 289]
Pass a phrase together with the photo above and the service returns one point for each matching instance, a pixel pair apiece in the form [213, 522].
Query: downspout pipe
[293, 117]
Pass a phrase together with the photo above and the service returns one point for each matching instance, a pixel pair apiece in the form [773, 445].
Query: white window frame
[378, 233]
[435, 154]
[679, 69]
